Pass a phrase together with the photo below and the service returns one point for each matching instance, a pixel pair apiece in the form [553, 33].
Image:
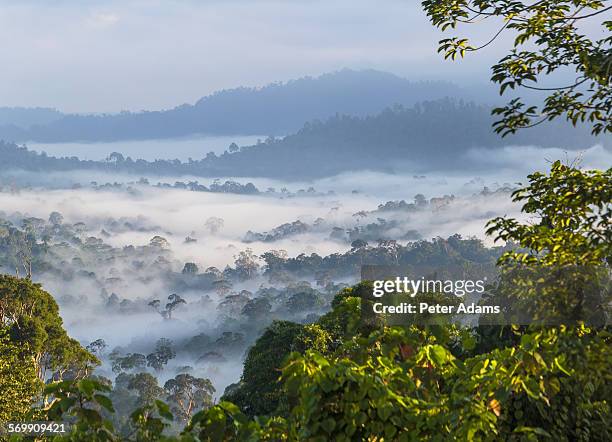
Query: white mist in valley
[124, 218]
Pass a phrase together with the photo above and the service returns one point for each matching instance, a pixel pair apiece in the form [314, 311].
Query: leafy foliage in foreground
[378, 390]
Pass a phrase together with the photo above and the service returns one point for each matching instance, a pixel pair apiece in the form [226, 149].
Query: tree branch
[535, 88]
[580, 17]
[492, 39]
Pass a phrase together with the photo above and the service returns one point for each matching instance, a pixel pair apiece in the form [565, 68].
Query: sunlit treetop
[549, 38]
[570, 218]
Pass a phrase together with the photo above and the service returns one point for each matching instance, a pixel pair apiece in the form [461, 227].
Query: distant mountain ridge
[275, 109]
[430, 135]
[26, 117]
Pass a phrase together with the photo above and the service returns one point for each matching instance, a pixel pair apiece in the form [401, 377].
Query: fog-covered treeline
[155, 320]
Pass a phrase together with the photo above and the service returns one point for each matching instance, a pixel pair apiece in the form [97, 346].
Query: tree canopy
[339, 378]
[31, 317]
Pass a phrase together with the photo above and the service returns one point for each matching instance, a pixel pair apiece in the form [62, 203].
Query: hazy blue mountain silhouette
[25, 117]
[433, 135]
[276, 109]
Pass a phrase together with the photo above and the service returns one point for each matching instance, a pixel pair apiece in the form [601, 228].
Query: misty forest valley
[196, 272]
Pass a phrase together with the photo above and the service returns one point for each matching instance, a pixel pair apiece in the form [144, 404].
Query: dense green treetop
[31, 317]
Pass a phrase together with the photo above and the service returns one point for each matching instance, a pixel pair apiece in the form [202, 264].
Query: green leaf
[86, 386]
[534, 430]
[438, 354]
[164, 410]
[104, 401]
[328, 425]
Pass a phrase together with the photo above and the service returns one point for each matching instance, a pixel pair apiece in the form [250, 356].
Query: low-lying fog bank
[113, 252]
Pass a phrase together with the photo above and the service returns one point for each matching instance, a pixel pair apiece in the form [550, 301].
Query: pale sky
[107, 56]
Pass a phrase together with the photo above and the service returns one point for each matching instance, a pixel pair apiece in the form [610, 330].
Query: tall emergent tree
[31, 317]
[188, 394]
[557, 38]
[164, 351]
